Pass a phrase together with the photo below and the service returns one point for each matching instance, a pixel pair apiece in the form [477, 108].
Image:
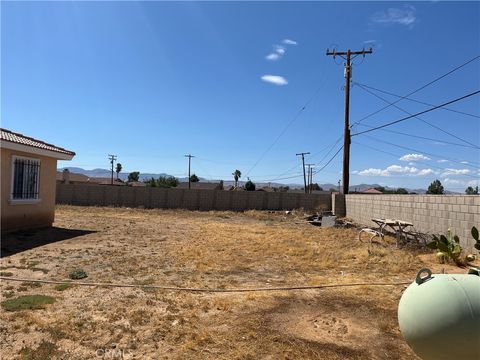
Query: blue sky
[152, 81]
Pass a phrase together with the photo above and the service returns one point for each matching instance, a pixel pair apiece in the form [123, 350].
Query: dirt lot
[206, 250]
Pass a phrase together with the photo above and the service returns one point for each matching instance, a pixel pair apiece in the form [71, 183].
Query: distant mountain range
[145, 176]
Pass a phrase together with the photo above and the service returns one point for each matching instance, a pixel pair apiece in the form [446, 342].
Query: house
[28, 181]
[200, 185]
[371, 191]
[67, 177]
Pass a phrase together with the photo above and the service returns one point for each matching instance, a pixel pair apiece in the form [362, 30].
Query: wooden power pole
[347, 56]
[112, 160]
[302, 154]
[189, 163]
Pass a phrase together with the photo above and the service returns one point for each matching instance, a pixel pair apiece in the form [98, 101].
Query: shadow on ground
[25, 240]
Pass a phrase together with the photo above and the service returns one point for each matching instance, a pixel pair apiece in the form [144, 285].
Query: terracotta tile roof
[372, 191]
[7, 135]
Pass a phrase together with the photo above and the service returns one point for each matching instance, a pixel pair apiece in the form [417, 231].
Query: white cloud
[414, 157]
[424, 172]
[456, 172]
[279, 49]
[272, 57]
[275, 79]
[289, 42]
[462, 183]
[373, 172]
[403, 16]
[395, 170]
[464, 162]
[448, 181]
[442, 161]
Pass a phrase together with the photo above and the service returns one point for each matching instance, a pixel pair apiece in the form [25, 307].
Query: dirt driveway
[203, 250]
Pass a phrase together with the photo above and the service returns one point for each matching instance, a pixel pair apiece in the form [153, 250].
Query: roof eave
[34, 150]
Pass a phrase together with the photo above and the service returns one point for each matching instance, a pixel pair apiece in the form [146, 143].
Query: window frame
[36, 200]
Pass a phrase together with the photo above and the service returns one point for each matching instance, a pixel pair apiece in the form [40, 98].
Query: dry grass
[215, 250]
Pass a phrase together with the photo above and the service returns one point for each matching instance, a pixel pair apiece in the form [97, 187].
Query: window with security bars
[25, 178]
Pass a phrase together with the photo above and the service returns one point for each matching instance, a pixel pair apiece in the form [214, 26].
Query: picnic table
[399, 227]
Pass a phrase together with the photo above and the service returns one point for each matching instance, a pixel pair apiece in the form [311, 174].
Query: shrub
[62, 287]
[27, 302]
[77, 274]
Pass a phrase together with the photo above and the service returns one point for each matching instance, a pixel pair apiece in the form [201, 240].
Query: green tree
[471, 191]
[167, 181]
[435, 187]
[151, 182]
[380, 188]
[133, 176]
[316, 187]
[249, 185]
[401, 191]
[118, 169]
[237, 174]
[194, 178]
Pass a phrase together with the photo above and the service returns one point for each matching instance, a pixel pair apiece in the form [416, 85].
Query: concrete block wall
[105, 195]
[431, 214]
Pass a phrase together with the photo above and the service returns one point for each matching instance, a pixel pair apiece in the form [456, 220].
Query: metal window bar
[25, 179]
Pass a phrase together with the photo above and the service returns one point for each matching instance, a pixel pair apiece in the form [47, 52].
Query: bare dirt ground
[207, 250]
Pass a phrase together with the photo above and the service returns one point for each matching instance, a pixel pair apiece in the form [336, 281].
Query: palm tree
[237, 174]
[118, 169]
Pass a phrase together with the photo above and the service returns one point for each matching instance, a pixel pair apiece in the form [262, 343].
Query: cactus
[449, 245]
[475, 236]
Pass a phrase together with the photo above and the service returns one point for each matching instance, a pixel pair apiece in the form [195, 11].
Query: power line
[414, 100]
[419, 113]
[422, 120]
[297, 115]
[424, 152]
[329, 161]
[420, 88]
[421, 137]
[397, 156]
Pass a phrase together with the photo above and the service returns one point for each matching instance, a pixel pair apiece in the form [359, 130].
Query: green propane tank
[439, 315]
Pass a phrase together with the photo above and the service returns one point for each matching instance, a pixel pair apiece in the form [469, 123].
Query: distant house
[371, 191]
[66, 177]
[200, 185]
[137, 184]
[28, 181]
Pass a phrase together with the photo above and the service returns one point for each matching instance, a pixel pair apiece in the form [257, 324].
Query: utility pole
[189, 162]
[339, 186]
[347, 56]
[310, 177]
[303, 163]
[112, 160]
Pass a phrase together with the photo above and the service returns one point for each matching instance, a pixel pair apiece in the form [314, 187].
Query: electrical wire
[329, 161]
[422, 120]
[290, 123]
[424, 152]
[208, 290]
[397, 156]
[419, 113]
[420, 88]
[422, 137]
[415, 100]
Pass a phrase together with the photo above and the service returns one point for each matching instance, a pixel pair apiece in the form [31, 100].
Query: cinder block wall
[432, 214]
[105, 195]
